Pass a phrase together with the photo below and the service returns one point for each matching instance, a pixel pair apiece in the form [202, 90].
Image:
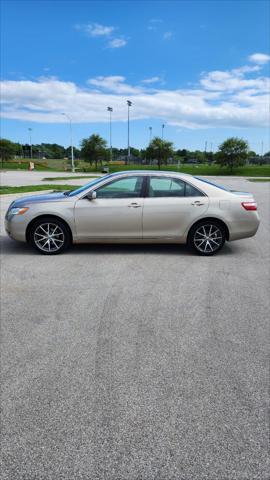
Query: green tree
[76, 152]
[159, 150]
[232, 153]
[93, 149]
[7, 150]
[201, 157]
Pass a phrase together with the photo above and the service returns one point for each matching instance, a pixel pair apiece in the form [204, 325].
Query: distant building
[258, 160]
[131, 159]
[192, 161]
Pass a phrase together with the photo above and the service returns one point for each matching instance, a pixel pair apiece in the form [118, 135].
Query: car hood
[48, 197]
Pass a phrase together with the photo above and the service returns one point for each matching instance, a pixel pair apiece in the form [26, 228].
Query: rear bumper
[244, 228]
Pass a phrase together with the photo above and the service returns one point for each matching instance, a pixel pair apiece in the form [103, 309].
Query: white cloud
[167, 35]
[114, 83]
[98, 30]
[117, 43]
[151, 80]
[232, 80]
[153, 23]
[246, 69]
[95, 29]
[260, 58]
[235, 98]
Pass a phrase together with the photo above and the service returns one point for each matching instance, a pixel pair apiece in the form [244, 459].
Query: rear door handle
[197, 203]
[134, 205]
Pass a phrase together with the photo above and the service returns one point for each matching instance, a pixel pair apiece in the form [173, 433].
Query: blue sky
[199, 67]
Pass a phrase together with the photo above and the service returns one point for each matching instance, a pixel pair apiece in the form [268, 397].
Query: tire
[206, 237]
[49, 236]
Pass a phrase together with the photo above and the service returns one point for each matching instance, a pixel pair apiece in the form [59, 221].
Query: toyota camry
[135, 207]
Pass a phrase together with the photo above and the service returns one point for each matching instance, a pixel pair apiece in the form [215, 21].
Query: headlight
[18, 211]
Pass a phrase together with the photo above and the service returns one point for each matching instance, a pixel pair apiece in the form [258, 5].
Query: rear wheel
[49, 236]
[206, 237]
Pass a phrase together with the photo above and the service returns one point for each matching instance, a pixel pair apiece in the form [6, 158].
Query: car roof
[152, 172]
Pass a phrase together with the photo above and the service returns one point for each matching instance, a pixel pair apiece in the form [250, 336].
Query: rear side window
[166, 187]
[171, 187]
[192, 191]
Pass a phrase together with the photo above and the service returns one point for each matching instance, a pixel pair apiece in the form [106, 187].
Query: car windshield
[73, 193]
[213, 183]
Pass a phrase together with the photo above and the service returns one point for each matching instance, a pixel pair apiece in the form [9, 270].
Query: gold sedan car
[135, 207]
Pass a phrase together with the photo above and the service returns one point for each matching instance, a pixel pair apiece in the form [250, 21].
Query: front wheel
[206, 238]
[49, 236]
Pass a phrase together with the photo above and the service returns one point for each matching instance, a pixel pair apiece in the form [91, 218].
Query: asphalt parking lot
[24, 177]
[137, 362]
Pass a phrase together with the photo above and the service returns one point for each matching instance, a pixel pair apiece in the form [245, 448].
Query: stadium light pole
[150, 134]
[30, 141]
[110, 110]
[162, 134]
[129, 103]
[71, 141]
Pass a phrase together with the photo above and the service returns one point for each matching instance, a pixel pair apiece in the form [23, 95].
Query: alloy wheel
[208, 238]
[49, 237]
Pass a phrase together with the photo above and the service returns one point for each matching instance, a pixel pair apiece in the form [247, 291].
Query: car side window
[166, 187]
[128, 187]
[192, 191]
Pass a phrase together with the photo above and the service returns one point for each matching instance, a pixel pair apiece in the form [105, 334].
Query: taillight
[249, 205]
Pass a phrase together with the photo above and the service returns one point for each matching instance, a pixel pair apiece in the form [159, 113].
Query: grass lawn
[201, 169]
[49, 179]
[259, 179]
[4, 190]
[40, 165]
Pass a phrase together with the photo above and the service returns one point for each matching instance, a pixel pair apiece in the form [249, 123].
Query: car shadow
[11, 247]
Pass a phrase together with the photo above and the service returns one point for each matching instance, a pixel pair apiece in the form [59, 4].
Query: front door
[116, 212]
[171, 206]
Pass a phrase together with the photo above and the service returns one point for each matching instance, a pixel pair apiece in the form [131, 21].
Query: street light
[129, 103]
[110, 110]
[30, 138]
[150, 134]
[71, 142]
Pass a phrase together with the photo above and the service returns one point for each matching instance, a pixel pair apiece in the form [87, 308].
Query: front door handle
[197, 203]
[134, 205]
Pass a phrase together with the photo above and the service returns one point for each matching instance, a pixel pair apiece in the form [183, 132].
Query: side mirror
[91, 195]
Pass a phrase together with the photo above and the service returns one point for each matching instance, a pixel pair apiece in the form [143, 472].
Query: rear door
[171, 206]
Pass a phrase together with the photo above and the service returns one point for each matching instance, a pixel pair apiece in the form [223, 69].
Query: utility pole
[110, 110]
[129, 103]
[71, 142]
[205, 151]
[262, 148]
[30, 139]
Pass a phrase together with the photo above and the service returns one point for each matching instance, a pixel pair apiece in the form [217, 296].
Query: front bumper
[15, 226]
